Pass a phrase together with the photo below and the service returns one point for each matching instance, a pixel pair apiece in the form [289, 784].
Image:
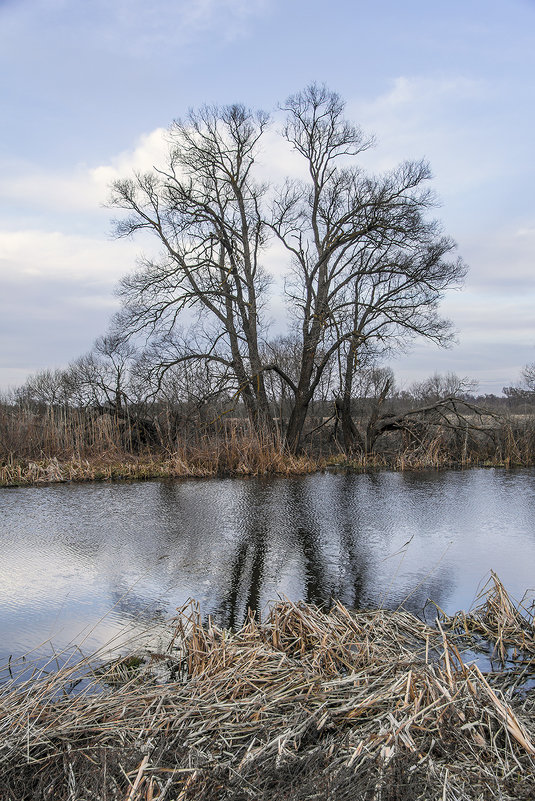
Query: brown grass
[500, 620]
[342, 705]
[76, 445]
[248, 456]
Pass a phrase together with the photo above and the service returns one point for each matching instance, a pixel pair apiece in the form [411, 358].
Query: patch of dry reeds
[231, 455]
[51, 444]
[341, 705]
[240, 454]
[500, 620]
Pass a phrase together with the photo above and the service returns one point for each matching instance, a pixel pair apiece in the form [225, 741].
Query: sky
[87, 89]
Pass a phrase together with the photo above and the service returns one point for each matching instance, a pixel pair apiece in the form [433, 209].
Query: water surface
[82, 563]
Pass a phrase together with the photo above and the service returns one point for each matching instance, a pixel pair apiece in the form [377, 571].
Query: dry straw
[500, 620]
[307, 704]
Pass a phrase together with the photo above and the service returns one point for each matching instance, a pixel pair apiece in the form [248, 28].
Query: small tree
[46, 388]
[522, 393]
[437, 387]
[528, 376]
[101, 378]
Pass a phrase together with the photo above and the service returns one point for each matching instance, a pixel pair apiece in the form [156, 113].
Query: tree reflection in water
[135, 552]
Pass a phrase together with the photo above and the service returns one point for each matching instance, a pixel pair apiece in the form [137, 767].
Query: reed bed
[210, 460]
[57, 445]
[249, 457]
[307, 704]
[54, 444]
[500, 620]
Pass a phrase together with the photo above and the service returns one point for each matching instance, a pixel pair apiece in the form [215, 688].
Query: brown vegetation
[341, 705]
[83, 446]
[48, 444]
[507, 625]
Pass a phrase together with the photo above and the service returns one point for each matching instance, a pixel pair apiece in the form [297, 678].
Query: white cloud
[429, 91]
[82, 188]
[57, 292]
[56, 255]
[86, 188]
[434, 118]
[150, 151]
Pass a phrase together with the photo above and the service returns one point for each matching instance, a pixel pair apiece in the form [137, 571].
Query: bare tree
[369, 267]
[366, 268]
[440, 404]
[204, 208]
[528, 376]
[458, 417]
[523, 393]
[438, 386]
[47, 388]
[101, 378]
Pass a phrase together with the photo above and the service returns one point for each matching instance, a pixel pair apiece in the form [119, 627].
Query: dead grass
[56, 445]
[243, 456]
[500, 620]
[342, 705]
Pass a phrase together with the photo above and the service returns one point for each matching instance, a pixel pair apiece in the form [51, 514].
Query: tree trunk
[351, 437]
[296, 424]
[263, 422]
[303, 393]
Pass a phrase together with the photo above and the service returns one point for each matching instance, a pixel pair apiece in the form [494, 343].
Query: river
[84, 563]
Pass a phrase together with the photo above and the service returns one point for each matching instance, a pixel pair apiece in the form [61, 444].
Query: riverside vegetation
[45, 440]
[189, 379]
[306, 704]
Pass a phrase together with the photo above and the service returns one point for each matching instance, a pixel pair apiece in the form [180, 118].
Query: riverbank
[55, 445]
[263, 461]
[307, 704]
[145, 468]
[120, 467]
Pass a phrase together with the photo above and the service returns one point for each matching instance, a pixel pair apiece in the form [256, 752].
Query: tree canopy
[366, 265]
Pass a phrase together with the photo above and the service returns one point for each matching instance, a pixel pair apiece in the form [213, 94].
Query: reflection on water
[83, 563]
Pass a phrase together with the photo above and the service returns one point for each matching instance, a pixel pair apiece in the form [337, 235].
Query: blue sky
[88, 86]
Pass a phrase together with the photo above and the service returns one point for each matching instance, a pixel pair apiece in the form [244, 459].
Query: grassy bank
[253, 460]
[79, 445]
[308, 704]
[232, 459]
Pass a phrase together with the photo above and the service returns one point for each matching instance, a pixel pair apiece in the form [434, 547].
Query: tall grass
[57, 432]
[75, 445]
[509, 443]
[70, 444]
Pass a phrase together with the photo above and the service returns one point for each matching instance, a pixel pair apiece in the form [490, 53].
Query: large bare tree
[369, 267]
[366, 267]
[204, 208]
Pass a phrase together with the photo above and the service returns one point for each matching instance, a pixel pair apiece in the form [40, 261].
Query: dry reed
[243, 456]
[505, 623]
[341, 705]
[73, 444]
